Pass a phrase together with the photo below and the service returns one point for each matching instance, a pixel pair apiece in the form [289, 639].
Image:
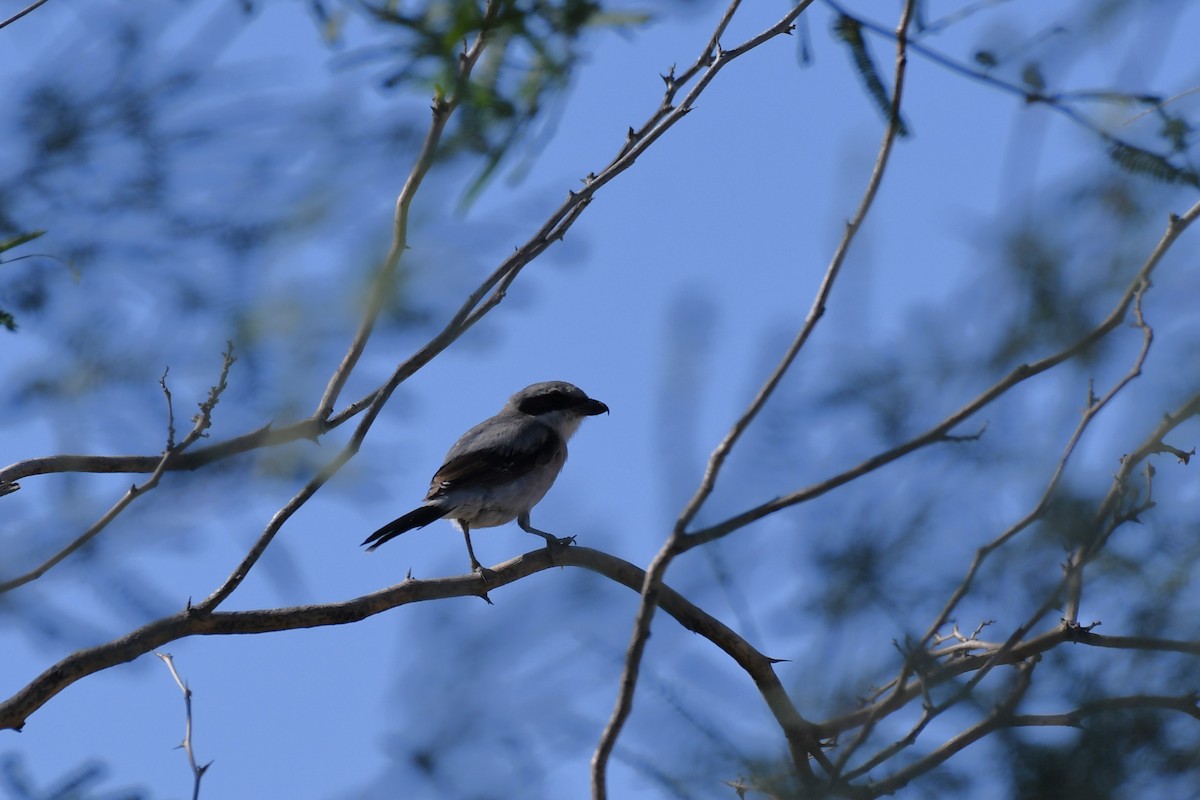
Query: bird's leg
[475, 565]
[551, 539]
[483, 571]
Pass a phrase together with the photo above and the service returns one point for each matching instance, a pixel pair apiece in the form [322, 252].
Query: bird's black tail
[417, 518]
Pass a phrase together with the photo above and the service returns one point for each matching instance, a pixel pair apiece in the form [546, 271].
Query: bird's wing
[494, 452]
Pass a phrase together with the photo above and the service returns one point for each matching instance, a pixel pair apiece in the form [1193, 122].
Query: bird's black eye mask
[551, 401]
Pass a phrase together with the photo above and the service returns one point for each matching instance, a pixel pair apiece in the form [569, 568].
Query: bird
[501, 468]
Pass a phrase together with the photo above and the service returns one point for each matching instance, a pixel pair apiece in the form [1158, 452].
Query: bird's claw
[485, 575]
[564, 541]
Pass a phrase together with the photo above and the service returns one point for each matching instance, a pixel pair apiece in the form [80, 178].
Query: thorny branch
[675, 542]
[198, 770]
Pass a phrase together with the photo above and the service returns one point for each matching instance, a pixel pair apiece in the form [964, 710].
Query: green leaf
[849, 30]
[19, 240]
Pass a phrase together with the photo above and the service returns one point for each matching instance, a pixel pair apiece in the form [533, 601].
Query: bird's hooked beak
[593, 407]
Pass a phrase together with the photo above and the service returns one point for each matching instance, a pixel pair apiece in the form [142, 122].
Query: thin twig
[198, 770]
[201, 423]
[443, 108]
[674, 544]
[1093, 408]
[997, 718]
[1108, 516]
[170, 410]
[31, 7]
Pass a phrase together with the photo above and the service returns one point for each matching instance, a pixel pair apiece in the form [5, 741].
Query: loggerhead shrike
[500, 469]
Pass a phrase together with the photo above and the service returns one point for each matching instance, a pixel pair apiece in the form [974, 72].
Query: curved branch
[17, 709]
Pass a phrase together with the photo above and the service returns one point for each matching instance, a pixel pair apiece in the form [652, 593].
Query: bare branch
[17, 709]
[1185, 704]
[1093, 408]
[1108, 516]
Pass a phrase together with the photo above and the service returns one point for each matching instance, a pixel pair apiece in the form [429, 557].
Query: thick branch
[17, 709]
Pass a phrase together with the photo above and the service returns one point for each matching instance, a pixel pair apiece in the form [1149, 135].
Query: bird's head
[558, 404]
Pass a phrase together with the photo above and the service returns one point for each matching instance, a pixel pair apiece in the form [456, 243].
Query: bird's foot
[557, 543]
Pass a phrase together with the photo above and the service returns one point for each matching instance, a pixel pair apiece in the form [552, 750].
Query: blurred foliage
[6, 318]
[533, 52]
[81, 783]
[849, 31]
